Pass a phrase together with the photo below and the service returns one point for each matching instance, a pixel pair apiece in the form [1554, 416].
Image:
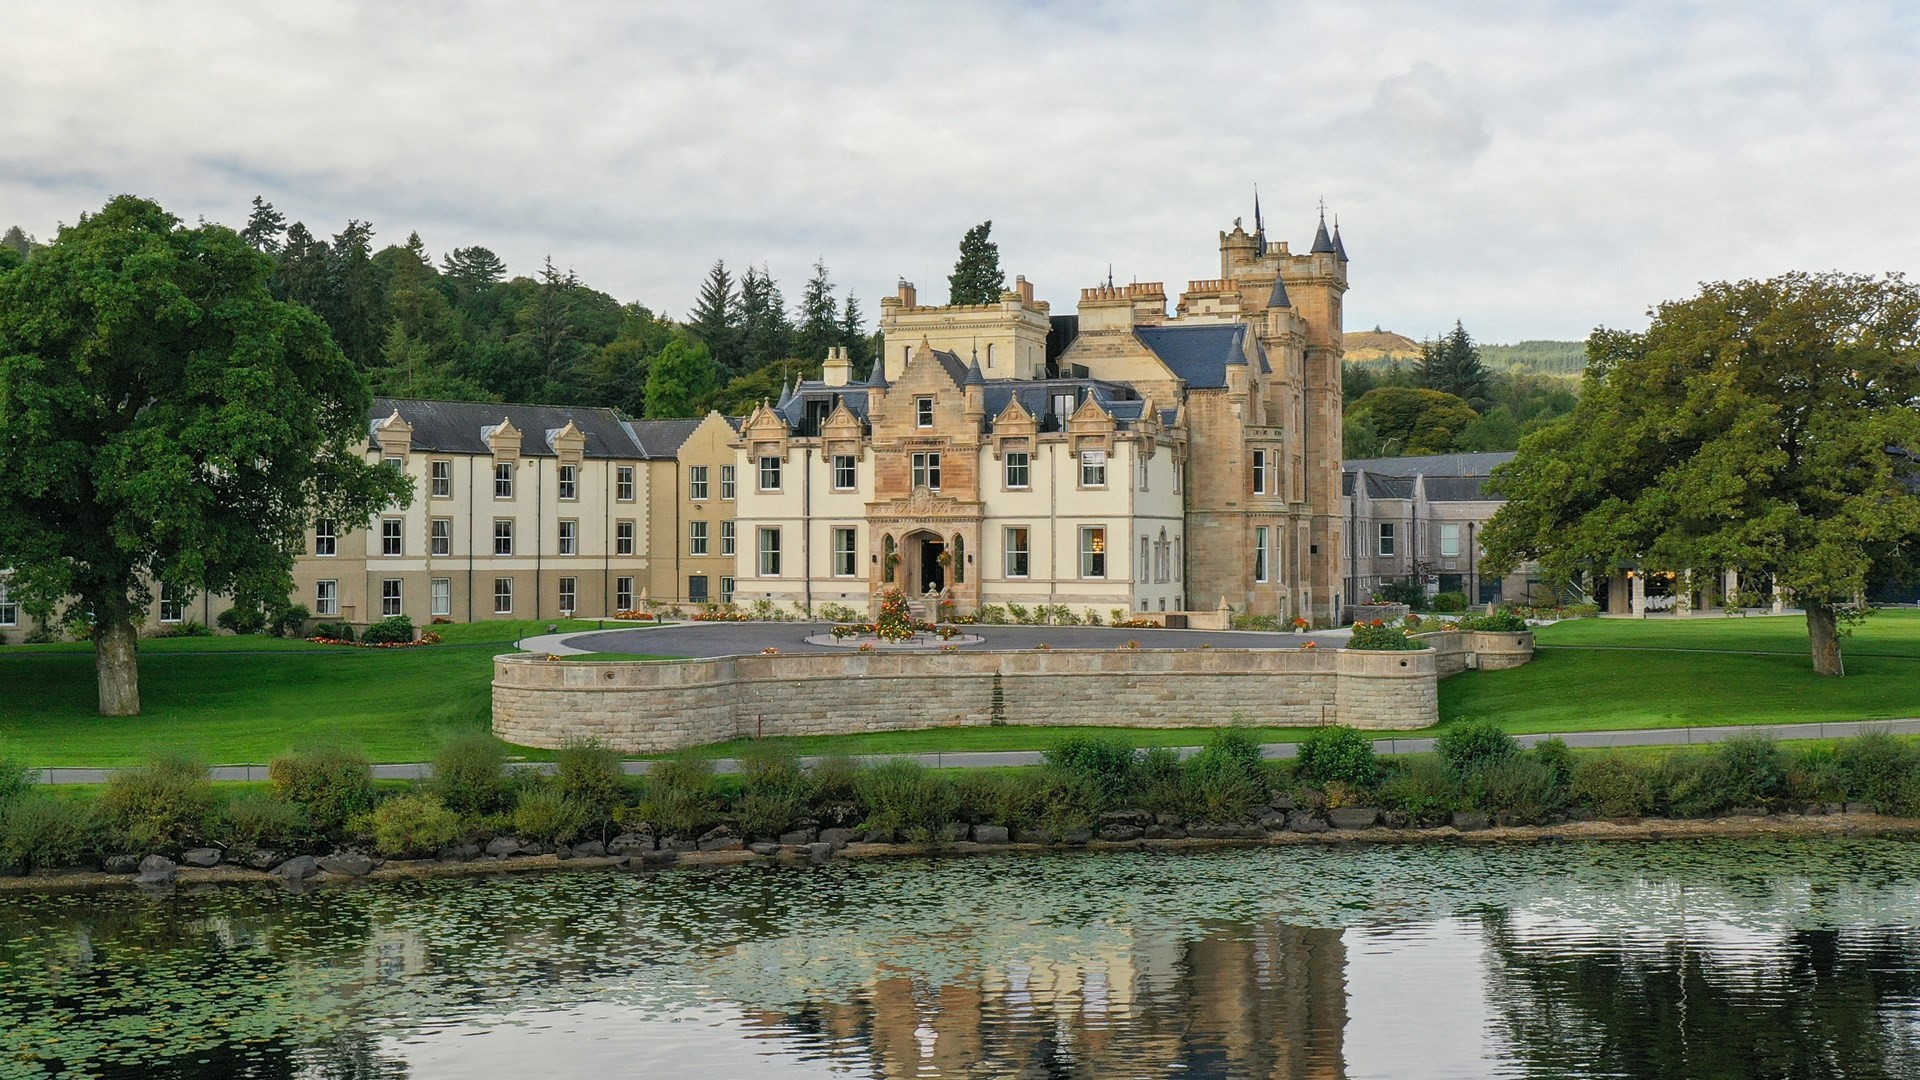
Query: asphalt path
[990, 759]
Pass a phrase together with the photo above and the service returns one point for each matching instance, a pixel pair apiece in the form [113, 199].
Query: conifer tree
[715, 318]
[473, 267]
[766, 332]
[859, 348]
[819, 323]
[977, 277]
[265, 226]
[1452, 366]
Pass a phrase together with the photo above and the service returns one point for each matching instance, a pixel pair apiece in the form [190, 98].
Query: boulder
[1470, 820]
[1165, 832]
[122, 864]
[819, 851]
[563, 852]
[1139, 818]
[202, 857]
[298, 868]
[346, 864]
[1354, 817]
[721, 843]
[955, 832]
[1076, 837]
[837, 838]
[674, 843]
[458, 853]
[157, 870]
[630, 844]
[1274, 822]
[1857, 808]
[1170, 821]
[990, 834]
[1118, 833]
[501, 847]
[764, 847]
[800, 836]
[1305, 821]
[1226, 832]
[879, 836]
[592, 849]
[661, 857]
[1031, 836]
[1280, 800]
[262, 859]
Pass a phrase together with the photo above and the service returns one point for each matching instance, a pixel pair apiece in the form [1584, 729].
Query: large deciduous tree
[680, 378]
[1763, 426]
[1411, 420]
[977, 277]
[164, 420]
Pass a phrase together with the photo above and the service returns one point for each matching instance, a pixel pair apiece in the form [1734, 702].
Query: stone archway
[924, 572]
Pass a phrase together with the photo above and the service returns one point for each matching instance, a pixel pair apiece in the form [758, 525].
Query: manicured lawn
[1596, 674]
[964, 739]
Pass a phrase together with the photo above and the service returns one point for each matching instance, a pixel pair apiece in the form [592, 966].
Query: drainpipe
[473, 511]
[539, 531]
[1473, 567]
[806, 526]
[1053, 520]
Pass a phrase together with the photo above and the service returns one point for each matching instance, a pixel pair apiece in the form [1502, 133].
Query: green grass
[968, 739]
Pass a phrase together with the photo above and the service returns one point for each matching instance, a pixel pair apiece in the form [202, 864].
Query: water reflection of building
[1264, 1000]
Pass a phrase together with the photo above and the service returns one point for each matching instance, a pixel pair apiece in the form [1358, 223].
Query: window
[1093, 551]
[1259, 472]
[623, 594]
[769, 474]
[989, 354]
[1176, 559]
[697, 588]
[503, 480]
[1017, 551]
[442, 589]
[1144, 462]
[442, 473]
[569, 538]
[172, 608]
[392, 540]
[1063, 406]
[845, 475]
[623, 483]
[959, 550]
[926, 471]
[1386, 538]
[503, 536]
[1260, 553]
[1019, 469]
[394, 462]
[326, 598]
[892, 557]
[568, 595]
[1179, 470]
[726, 538]
[696, 538]
[770, 552]
[697, 482]
[502, 595]
[923, 411]
[1449, 540]
[440, 536]
[623, 538]
[326, 540]
[726, 481]
[390, 597]
[726, 590]
[569, 482]
[1146, 559]
[845, 556]
[1093, 468]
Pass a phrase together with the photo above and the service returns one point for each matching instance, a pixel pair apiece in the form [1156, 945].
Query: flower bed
[1378, 636]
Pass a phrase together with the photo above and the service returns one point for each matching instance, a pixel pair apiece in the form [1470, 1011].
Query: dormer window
[1063, 406]
[923, 411]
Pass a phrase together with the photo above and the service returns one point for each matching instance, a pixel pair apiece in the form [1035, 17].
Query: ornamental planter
[1498, 651]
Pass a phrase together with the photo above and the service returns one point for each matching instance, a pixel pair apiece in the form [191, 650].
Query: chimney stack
[1025, 288]
[838, 369]
[908, 297]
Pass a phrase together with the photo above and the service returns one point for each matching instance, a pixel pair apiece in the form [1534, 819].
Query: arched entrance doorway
[921, 553]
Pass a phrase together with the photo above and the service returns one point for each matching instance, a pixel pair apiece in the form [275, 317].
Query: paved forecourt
[746, 639]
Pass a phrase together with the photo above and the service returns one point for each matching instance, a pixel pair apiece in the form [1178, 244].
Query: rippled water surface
[1695, 959]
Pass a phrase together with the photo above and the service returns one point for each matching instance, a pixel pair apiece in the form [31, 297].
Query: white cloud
[1532, 169]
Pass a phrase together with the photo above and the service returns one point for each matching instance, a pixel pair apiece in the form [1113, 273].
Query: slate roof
[955, 366]
[460, 427]
[1321, 241]
[1433, 465]
[1200, 355]
[662, 438]
[1447, 477]
[794, 409]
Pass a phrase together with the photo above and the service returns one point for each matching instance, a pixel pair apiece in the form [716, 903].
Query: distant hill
[1378, 347]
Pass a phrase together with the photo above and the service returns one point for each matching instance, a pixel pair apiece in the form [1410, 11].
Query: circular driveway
[742, 639]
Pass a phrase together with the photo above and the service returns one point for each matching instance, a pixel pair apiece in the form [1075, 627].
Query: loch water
[1710, 958]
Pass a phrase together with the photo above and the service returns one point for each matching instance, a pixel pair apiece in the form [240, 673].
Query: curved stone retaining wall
[657, 706]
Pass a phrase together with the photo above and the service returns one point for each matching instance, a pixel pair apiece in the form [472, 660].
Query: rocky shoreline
[640, 852]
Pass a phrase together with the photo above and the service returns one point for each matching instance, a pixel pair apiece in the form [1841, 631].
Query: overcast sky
[1534, 169]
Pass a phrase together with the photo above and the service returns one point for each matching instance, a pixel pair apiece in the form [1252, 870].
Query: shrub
[1814, 775]
[1517, 789]
[1014, 799]
[1465, 745]
[1449, 601]
[189, 628]
[1370, 638]
[469, 775]
[392, 630]
[258, 819]
[1500, 622]
[544, 814]
[679, 800]
[1253, 622]
[991, 614]
[1018, 613]
[1337, 753]
[1691, 785]
[833, 779]
[1105, 762]
[1613, 786]
[1426, 790]
[1406, 591]
[162, 804]
[1753, 771]
[241, 620]
[338, 631]
[412, 826]
[15, 779]
[1877, 767]
[286, 621]
[1225, 781]
[587, 774]
[39, 831]
[904, 796]
[775, 792]
[332, 784]
[1557, 756]
[1160, 782]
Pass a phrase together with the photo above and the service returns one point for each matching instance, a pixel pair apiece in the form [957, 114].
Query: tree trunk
[116, 661]
[1824, 633]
